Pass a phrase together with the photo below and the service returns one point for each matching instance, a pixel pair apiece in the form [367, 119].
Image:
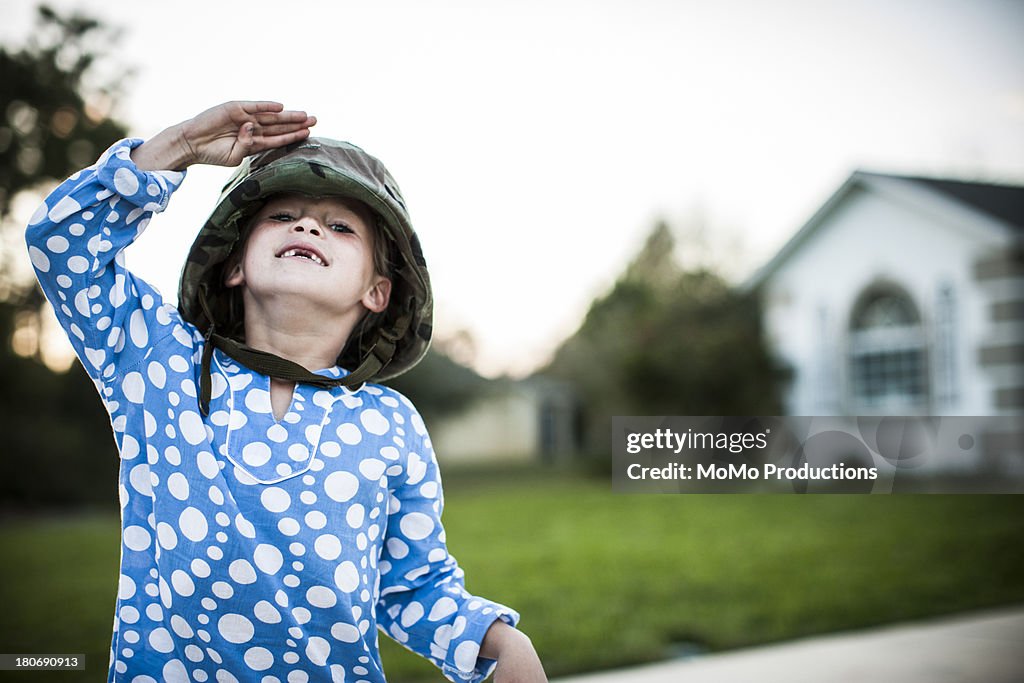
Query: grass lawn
[607, 580]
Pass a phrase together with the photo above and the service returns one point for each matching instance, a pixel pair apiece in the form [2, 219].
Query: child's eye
[281, 217]
[340, 227]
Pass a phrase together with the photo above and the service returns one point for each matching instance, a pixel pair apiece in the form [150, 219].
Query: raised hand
[226, 134]
[223, 136]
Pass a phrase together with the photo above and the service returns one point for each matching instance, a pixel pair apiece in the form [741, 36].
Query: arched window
[888, 357]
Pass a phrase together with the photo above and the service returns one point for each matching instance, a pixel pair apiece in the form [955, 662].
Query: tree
[56, 120]
[668, 341]
[55, 110]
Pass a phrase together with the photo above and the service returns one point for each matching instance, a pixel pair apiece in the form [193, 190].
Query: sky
[537, 142]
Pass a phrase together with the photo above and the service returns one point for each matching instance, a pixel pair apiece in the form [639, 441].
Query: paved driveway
[981, 646]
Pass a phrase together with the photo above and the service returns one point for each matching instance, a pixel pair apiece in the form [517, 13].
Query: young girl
[277, 509]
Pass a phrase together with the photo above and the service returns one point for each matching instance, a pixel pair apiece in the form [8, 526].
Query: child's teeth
[295, 252]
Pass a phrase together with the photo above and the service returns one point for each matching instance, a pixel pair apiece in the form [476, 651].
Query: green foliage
[56, 435]
[668, 341]
[55, 114]
[699, 353]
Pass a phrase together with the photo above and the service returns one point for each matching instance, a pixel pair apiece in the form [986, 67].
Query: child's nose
[312, 229]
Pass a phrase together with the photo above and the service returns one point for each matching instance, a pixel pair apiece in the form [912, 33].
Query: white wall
[881, 231]
[502, 427]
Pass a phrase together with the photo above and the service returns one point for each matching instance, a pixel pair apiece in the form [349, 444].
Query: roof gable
[1005, 203]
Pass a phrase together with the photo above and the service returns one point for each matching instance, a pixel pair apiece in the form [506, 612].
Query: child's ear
[233, 275]
[377, 297]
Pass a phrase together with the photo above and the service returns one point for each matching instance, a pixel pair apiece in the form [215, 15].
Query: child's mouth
[300, 252]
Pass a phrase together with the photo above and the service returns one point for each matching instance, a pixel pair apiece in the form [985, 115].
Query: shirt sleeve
[423, 601]
[75, 242]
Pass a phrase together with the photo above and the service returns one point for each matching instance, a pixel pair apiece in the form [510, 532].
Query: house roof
[1005, 202]
[1002, 202]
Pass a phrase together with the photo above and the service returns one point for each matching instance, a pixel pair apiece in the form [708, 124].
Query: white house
[902, 296]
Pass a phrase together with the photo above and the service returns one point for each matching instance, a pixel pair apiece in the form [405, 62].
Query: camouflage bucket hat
[316, 167]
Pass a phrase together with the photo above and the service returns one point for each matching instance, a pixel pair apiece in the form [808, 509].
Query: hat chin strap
[376, 359]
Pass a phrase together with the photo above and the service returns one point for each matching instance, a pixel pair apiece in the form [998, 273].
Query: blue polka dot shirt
[252, 549]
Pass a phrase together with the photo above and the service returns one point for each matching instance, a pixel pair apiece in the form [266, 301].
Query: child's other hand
[223, 136]
[517, 659]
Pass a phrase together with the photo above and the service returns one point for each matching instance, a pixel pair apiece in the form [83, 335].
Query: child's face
[318, 249]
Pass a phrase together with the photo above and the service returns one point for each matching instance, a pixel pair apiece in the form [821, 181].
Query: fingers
[272, 129]
[270, 118]
[271, 125]
[255, 138]
[263, 125]
[259, 106]
[268, 113]
[266, 142]
[275, 128]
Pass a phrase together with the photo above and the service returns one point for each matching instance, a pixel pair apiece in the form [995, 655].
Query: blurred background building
[536, 419]
[902, 296]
